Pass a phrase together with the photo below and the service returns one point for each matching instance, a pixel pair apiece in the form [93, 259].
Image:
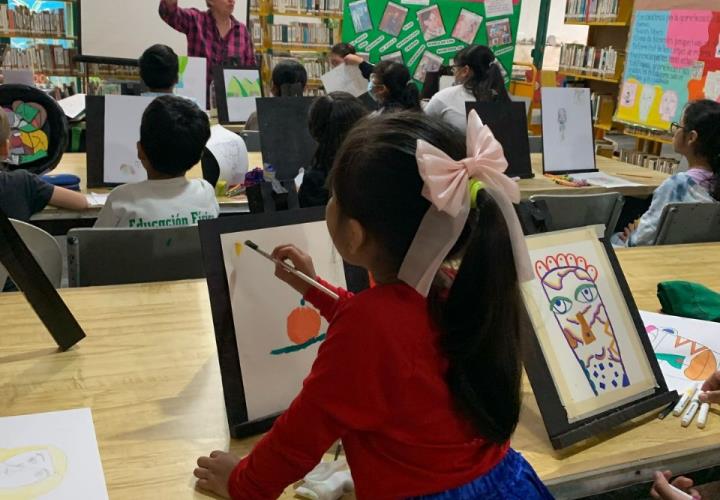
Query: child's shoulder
[387, 303]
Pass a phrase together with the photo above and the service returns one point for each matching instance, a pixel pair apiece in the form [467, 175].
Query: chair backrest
[43, 247]
[570, 211]
[536, 145]
[118, 256]
[689, 223]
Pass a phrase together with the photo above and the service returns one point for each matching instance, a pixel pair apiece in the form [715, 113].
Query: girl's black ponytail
[486, 82]
[481, 319]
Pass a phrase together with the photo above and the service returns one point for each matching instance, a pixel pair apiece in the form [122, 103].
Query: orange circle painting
[303, 324]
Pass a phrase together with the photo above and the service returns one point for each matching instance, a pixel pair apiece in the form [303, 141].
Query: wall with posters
[673, 57]
[423, 34]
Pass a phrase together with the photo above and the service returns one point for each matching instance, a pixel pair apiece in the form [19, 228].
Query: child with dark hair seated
[173, 134]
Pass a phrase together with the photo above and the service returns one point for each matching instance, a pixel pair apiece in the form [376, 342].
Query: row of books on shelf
[592, 10]
[597, 61]
[653, 162]
[110, 71]
[314, 65]
[303, 33]
[309, 6]
[41, 58]
[22, 20]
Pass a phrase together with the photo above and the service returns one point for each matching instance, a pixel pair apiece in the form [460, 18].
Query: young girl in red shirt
[419, 376]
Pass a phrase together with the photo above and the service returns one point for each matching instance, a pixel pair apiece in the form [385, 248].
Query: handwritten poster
[672, 59]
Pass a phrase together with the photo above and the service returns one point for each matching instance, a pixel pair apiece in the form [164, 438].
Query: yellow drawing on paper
[31, 471]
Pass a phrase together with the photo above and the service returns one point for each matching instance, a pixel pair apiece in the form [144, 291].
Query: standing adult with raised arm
[214, 34]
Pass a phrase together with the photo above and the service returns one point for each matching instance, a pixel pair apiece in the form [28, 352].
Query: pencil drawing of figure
[562, 121]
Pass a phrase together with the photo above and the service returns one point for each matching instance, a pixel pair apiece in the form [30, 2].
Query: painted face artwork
[570, 285]
[647, 96]
[669, 105]
[629, 92]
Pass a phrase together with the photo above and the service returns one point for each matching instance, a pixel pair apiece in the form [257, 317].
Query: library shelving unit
[299, 29]
[43, 39]
[609, 28]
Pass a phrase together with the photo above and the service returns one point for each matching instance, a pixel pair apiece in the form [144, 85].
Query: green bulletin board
[423, 34]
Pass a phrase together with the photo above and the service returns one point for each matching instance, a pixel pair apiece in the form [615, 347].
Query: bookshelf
[599, 64]
[42, 39]
[304, 30]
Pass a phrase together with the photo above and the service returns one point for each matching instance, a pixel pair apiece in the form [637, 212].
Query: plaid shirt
[204, 39]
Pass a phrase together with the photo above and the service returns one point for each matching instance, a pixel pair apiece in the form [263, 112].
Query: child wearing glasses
[697, 138]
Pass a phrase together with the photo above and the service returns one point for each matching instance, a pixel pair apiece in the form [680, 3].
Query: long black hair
[375, 181]
[403, 93]
[486, 81]
[330, 119]
[704, 118]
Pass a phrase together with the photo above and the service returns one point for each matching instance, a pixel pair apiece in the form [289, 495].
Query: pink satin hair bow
[447, 188]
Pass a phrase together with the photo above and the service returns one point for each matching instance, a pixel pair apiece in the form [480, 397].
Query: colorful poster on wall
[673, 58]
[424, 34]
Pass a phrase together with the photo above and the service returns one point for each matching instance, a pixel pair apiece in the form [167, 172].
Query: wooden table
[149, 371]
[649, 179]
[76, 164]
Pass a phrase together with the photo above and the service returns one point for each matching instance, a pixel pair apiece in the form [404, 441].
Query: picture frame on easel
[590, 363]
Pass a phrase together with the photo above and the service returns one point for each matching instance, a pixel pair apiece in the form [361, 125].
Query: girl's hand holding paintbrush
[300, 261]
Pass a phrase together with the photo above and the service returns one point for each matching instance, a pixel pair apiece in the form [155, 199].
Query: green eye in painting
[586, 293]
[560, 305]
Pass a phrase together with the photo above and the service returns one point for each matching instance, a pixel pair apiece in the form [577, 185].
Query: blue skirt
[512, 479]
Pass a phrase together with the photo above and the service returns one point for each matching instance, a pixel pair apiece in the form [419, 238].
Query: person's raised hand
[353, 59]
[300, 261]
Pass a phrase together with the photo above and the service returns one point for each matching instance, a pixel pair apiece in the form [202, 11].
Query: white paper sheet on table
[123, 115]
[230, 151]
[688, 350]
[73, 106]
[345, 78]
[97, 199]
[50, 455]
[602, 179]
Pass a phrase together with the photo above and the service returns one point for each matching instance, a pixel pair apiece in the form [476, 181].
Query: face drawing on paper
[31, 471]
[647, 96]
[668, 105]
[692, 360]
[570, 285]
[629, 93]
[562, 122]
[712, 86]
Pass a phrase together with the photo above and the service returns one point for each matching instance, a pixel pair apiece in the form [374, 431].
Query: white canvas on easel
[567, 130]
[277, 336]
[50, 455]
[123, 115]
[192, 81]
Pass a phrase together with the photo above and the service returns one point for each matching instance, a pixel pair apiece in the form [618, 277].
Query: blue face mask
[371, 91]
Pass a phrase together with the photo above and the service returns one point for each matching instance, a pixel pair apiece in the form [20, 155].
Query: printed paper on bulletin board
[673, 58]
[424, 34]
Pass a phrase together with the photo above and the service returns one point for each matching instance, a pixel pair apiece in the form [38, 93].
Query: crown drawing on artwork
[564, 261]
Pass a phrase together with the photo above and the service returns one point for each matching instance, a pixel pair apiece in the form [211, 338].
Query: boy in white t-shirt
[173, 134]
